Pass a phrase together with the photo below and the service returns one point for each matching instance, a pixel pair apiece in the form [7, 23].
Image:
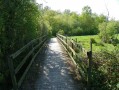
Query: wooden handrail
[36, 43]
[71, 45]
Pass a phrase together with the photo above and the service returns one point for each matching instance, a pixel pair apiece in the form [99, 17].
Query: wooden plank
[14, 55]
[81, 69]
[71, 45]
[68, 53]
[26, 57]
[62, 36]
[39, 44]
[24, 74]
[23, 61]
[72, 51]
[74, 43]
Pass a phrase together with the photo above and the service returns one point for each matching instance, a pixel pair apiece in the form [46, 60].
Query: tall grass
[97, 46]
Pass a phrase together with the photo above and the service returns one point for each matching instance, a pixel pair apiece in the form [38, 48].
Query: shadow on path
[50, 70]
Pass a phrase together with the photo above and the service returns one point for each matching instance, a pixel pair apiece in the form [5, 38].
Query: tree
[86, 10]
[87, 21]
[108, 31]
[67, 11]
[20, 22]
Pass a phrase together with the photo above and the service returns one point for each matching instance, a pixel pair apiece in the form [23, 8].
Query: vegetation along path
[50, 70]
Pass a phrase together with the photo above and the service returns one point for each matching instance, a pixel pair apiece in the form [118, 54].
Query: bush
[105, 70]
[93, 40]
[100, 43]
[114, 41]
[61, 32]
[108, 31]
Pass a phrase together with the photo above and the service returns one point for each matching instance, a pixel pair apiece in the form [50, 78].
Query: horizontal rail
[34, 45]
[72, 47]
[23, 61]
[26, 57]
[67, 52]
[23, 76]
[72, 50]
[13, 56]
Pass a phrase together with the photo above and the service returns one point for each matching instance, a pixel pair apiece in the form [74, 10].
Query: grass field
[85, 41]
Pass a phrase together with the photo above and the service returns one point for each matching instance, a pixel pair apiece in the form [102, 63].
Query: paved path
[50, 70]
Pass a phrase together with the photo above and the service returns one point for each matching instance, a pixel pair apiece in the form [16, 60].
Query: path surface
[50, 70]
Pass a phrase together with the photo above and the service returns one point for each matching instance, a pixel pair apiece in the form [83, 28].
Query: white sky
[97, 6]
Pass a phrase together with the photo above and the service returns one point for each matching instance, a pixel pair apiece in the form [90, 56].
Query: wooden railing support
[89, 77]
[12, 73]
[66, 42]
[73, 49]
[33, 46]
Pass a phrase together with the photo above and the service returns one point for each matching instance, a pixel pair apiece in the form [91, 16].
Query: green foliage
[20, 22]
[23, 20]
[61, 32]
[86, 10]
[103, 34]
[72, 23]
[77, 31]
[108, 31]
[85, 40]
[118, 85]
[100, 43]
[105, 63]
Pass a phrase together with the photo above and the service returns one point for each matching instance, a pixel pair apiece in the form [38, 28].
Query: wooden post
[12, 73]
[66, 39]
[91, 45]
[89, 77]
[66, 43]
[72, 45]
[72, 48]
[72, 54]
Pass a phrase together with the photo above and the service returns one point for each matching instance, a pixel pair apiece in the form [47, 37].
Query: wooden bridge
[47, 66]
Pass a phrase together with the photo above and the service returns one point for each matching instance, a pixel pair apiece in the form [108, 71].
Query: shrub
[105, 70]
[61, 32]
[100, 43]
[93, 40]
[114, 41]
[108, 31]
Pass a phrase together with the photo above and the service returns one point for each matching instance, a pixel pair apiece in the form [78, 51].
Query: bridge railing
[32, 48]
[74, 49]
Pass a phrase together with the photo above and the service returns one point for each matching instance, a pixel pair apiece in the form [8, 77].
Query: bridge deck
[50, 70]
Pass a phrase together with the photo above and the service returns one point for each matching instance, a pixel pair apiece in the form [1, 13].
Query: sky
[97, 6]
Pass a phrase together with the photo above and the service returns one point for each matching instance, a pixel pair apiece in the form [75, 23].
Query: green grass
[85, 41]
